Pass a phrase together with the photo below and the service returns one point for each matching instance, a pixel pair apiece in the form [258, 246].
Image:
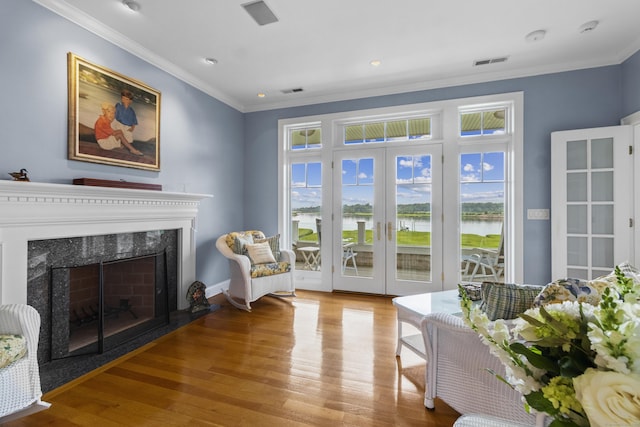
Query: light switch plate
[542, 214]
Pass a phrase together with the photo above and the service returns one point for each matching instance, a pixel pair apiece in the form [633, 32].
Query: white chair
[486, 262]
[458, 365]
[347, 250]
[249, 282]
[20, 390]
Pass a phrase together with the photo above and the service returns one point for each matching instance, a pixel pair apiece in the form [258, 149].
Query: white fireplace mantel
[38, 211]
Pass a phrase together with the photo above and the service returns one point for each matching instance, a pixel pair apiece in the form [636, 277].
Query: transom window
[305, 138]
[388, 131]
[487, 122]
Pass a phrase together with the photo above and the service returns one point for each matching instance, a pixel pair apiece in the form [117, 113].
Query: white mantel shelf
[38, 211]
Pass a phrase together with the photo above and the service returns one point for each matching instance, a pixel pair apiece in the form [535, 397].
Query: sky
[481, 180]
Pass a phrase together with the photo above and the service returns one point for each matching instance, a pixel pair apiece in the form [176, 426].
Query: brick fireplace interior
[101, 291]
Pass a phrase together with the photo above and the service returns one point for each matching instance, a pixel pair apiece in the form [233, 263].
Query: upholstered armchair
[20, 390]
[458, 365]
[258, 267]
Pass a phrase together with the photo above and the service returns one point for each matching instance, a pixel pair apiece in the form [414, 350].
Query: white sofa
[457, 372]
[244, 286]
[20, 390]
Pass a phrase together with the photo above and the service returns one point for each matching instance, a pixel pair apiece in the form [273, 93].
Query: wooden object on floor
[319, 359]
[117, 184]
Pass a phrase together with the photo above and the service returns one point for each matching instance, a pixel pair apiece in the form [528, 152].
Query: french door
[592, 201]
[387, 225]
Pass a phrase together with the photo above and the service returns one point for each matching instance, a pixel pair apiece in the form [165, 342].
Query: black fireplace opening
[103, 305]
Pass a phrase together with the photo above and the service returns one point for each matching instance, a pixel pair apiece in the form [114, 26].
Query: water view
[479, 227]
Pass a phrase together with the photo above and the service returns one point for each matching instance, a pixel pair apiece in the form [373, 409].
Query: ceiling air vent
[490, 61]
[260, 12]
[296, 90]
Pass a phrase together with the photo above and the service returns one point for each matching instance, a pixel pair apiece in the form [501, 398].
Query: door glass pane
[579, 273]
[602, 153]
[602, 219]
[357, 217]
[576, 155]
[577, 187]
[306, 206]
[577, 251]
[602, 252]
[482, 216]
[413, 213]
[577, 219]
[602, 186]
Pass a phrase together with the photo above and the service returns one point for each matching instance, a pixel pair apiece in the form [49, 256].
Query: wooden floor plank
[320, 359]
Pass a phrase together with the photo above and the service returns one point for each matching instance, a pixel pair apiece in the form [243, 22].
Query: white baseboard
[216, 289]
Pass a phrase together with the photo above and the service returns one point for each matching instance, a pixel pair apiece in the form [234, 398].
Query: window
[466, 208]
[488, 122]
[388, 131]
[306, 200]
[305, 138]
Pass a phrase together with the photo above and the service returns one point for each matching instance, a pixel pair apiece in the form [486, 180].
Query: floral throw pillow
[12, 348]
[570, 289]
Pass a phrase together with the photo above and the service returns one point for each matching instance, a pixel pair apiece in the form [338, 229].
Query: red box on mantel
[116, 184]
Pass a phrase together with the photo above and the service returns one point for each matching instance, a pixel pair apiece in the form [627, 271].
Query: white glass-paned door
[384, 225]
[591, 201]
[414, 220]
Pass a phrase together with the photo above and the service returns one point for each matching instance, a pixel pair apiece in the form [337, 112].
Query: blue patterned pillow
[507, 300]
[240, 242]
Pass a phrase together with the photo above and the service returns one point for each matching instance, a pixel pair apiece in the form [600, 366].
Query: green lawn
[411, 238]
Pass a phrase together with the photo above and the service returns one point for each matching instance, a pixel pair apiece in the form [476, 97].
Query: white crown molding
[483, 77]
[91, 24]
[94, 26]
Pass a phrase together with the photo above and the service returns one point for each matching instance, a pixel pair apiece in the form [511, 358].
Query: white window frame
[445, 128]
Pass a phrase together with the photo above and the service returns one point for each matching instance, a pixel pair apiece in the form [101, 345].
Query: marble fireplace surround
[38, 211]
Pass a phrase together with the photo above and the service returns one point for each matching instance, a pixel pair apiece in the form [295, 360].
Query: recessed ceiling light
[211, 61]
[588, 26]
[261, 95]
[375, 62]
[132, 5]
[535, 36]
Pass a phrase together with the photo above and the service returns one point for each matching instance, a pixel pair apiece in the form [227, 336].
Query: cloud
[487, 167]
[468, 167]
[362, 175]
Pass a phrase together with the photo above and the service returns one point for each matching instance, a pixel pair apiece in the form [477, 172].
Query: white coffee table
[412, 308]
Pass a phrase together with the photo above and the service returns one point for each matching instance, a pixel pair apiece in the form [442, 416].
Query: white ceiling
[325, 46]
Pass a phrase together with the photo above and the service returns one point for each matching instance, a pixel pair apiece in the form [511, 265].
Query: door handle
[378, 230]
[389, 231]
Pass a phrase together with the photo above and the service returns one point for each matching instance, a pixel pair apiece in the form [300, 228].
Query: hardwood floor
[318, 359]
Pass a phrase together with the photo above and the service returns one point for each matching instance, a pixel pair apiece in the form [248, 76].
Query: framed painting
[113, 119]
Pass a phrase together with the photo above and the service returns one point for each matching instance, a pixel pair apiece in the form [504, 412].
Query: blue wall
[631, 85]
[203, 140]
[570, 100]
[198, 134]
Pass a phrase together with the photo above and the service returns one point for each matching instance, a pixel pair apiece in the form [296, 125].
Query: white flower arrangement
[578, 363]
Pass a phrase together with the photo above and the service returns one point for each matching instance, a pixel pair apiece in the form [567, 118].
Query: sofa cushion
[260, 253]
[507, 300]
[262, 270]
[12, 348]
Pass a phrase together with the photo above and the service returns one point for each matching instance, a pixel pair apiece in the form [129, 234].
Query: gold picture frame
[113, 119]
